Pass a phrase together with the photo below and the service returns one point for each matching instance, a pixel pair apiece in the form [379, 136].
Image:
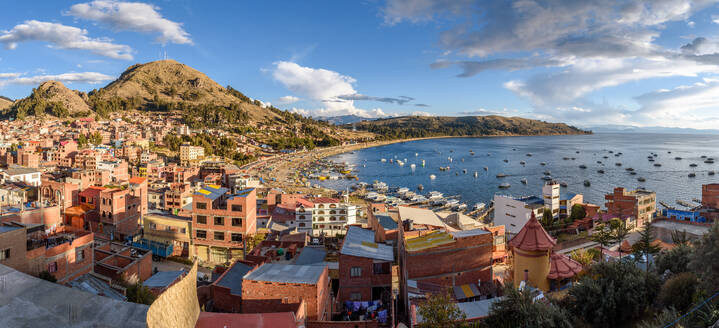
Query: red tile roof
[562, 267]
[325, 200]
[137, 180]
[533, 237]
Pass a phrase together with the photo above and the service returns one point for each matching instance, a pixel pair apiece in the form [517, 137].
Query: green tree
[676, 260]
[578, 212]
[583, 256]
[704, 260]
[644, 247]
[603, 236]
[547, 218]
[678, 291]
[139, 293]
[82, 141]
[612, 294]
[518, 309]
[44, 275]
[620, 230]
[440, 311]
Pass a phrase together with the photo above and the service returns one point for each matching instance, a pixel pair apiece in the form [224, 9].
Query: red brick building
[284, 287]
[638, 205]
[120, 262]
[365, 267]
[221, 222]
[710, 195]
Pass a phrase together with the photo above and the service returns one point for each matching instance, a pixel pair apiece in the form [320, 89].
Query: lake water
[670, 181]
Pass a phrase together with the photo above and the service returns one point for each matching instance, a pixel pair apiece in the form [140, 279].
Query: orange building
[638, 205]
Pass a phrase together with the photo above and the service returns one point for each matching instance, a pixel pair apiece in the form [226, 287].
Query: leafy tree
[578, 212]
[547, 218]
[676, 260]
[82, 141]
[440, 311]
[643, 248]
[678, 291]
[620, 230]
[44, 275]
[582, 256]
[518, 309]
[603, 236]
[612, 293]
[139, 293]
[704, 261]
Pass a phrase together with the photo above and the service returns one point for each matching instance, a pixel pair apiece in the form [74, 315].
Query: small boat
[669, 152]
[479, 206]
[587, 183]
[523, 181]
[704, 156]
[599, 162]
[565, 158]
[506, 160]
[577, 151]
[640, 179]
[600, 171]
[563, 184]
[618, 164]
[464, 171]
[629, 169]
[476, 174]
[710, 172]
[582, 166]
[522, 162]
[501, 175]
[605, 157]
[461, 207]
[383, 160]
[692, 165]
[486, 168]
[547, 178]
[657, 164]
[691, 175]
[678, 158]
[505, 186]
[547, 173]
[529, 154]
[416, 154]
[413, 166]
[611, 151]
[420, 187]
[403, 190]
[651, 160]
[633, 173]
[542, 163]
[709, 161]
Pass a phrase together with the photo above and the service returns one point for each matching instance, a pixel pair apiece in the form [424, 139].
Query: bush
[676, 260]
[612, 294]
[518, 309]
[138, 293]
[678, 291]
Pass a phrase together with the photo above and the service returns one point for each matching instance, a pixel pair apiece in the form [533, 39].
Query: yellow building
[534, 260]
[169, 229]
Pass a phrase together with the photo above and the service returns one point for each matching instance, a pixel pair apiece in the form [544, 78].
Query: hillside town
[105, 211]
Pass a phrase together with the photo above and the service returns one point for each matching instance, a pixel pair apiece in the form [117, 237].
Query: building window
[79, 255]
[219, 220]
[219, 235]
[201, 234]
[236, 208]
[355, 272]
[381, 268]
[302, 224]
[4, 254]
[183, 230]
[201, 219]
[237, 237]
[201, 206]
[355, 296]
[52, 267]
[153, 226]
[236, 222]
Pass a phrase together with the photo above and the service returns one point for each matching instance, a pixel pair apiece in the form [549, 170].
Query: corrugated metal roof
[432, 239]
[386, 221]
[465, 291]
[162, 279]
[233, 278]
[360, 242]
[310, 255]
[97, 286]
[468, 233]
[288, 273]
[212, 191]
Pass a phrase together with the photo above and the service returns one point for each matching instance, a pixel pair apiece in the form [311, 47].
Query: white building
[17, 173]
[330, 216]
[550, 194]
[514, 213]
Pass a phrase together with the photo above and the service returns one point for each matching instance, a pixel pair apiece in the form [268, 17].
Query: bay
[670, 180]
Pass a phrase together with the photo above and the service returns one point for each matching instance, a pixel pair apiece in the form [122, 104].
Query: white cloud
[63, 37]
[79, 77]
[316, 83]
[288, 100]
[132, 16]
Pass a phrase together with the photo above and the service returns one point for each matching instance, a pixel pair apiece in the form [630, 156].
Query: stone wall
[178, 306]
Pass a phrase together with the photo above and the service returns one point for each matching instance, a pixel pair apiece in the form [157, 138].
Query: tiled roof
[533, 237]
[325, 200]
[561, 267]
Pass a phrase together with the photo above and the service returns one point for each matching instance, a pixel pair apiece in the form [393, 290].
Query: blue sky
[646, 63]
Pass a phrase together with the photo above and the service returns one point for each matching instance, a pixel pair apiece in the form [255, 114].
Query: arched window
[333, 205]
[321, 206]
[333, 212]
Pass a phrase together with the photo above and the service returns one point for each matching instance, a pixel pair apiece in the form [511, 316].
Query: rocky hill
[5, 103]
[51, 98]
[474, 126]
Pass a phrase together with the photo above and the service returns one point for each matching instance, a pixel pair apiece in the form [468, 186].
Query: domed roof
[533, 237]
[561, 267]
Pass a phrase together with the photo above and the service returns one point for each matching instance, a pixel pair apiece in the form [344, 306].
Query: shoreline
[278, 171]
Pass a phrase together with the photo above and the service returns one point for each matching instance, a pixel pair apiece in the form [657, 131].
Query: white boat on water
[452, 203]
[408, 195]
[413, 166]
[403, 190]
[435, 195]
[479, 206]
[432, 176]
[476, 174]
[422, 163]
[383, 160]
[461, 207]
[400, 163]
[416, 154]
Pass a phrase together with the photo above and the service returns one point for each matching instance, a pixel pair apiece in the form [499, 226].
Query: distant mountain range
[610, 128]
[463, 126]
[344, 119]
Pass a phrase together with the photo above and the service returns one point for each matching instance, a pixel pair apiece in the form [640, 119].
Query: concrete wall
[178, 306]
[15, 240]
